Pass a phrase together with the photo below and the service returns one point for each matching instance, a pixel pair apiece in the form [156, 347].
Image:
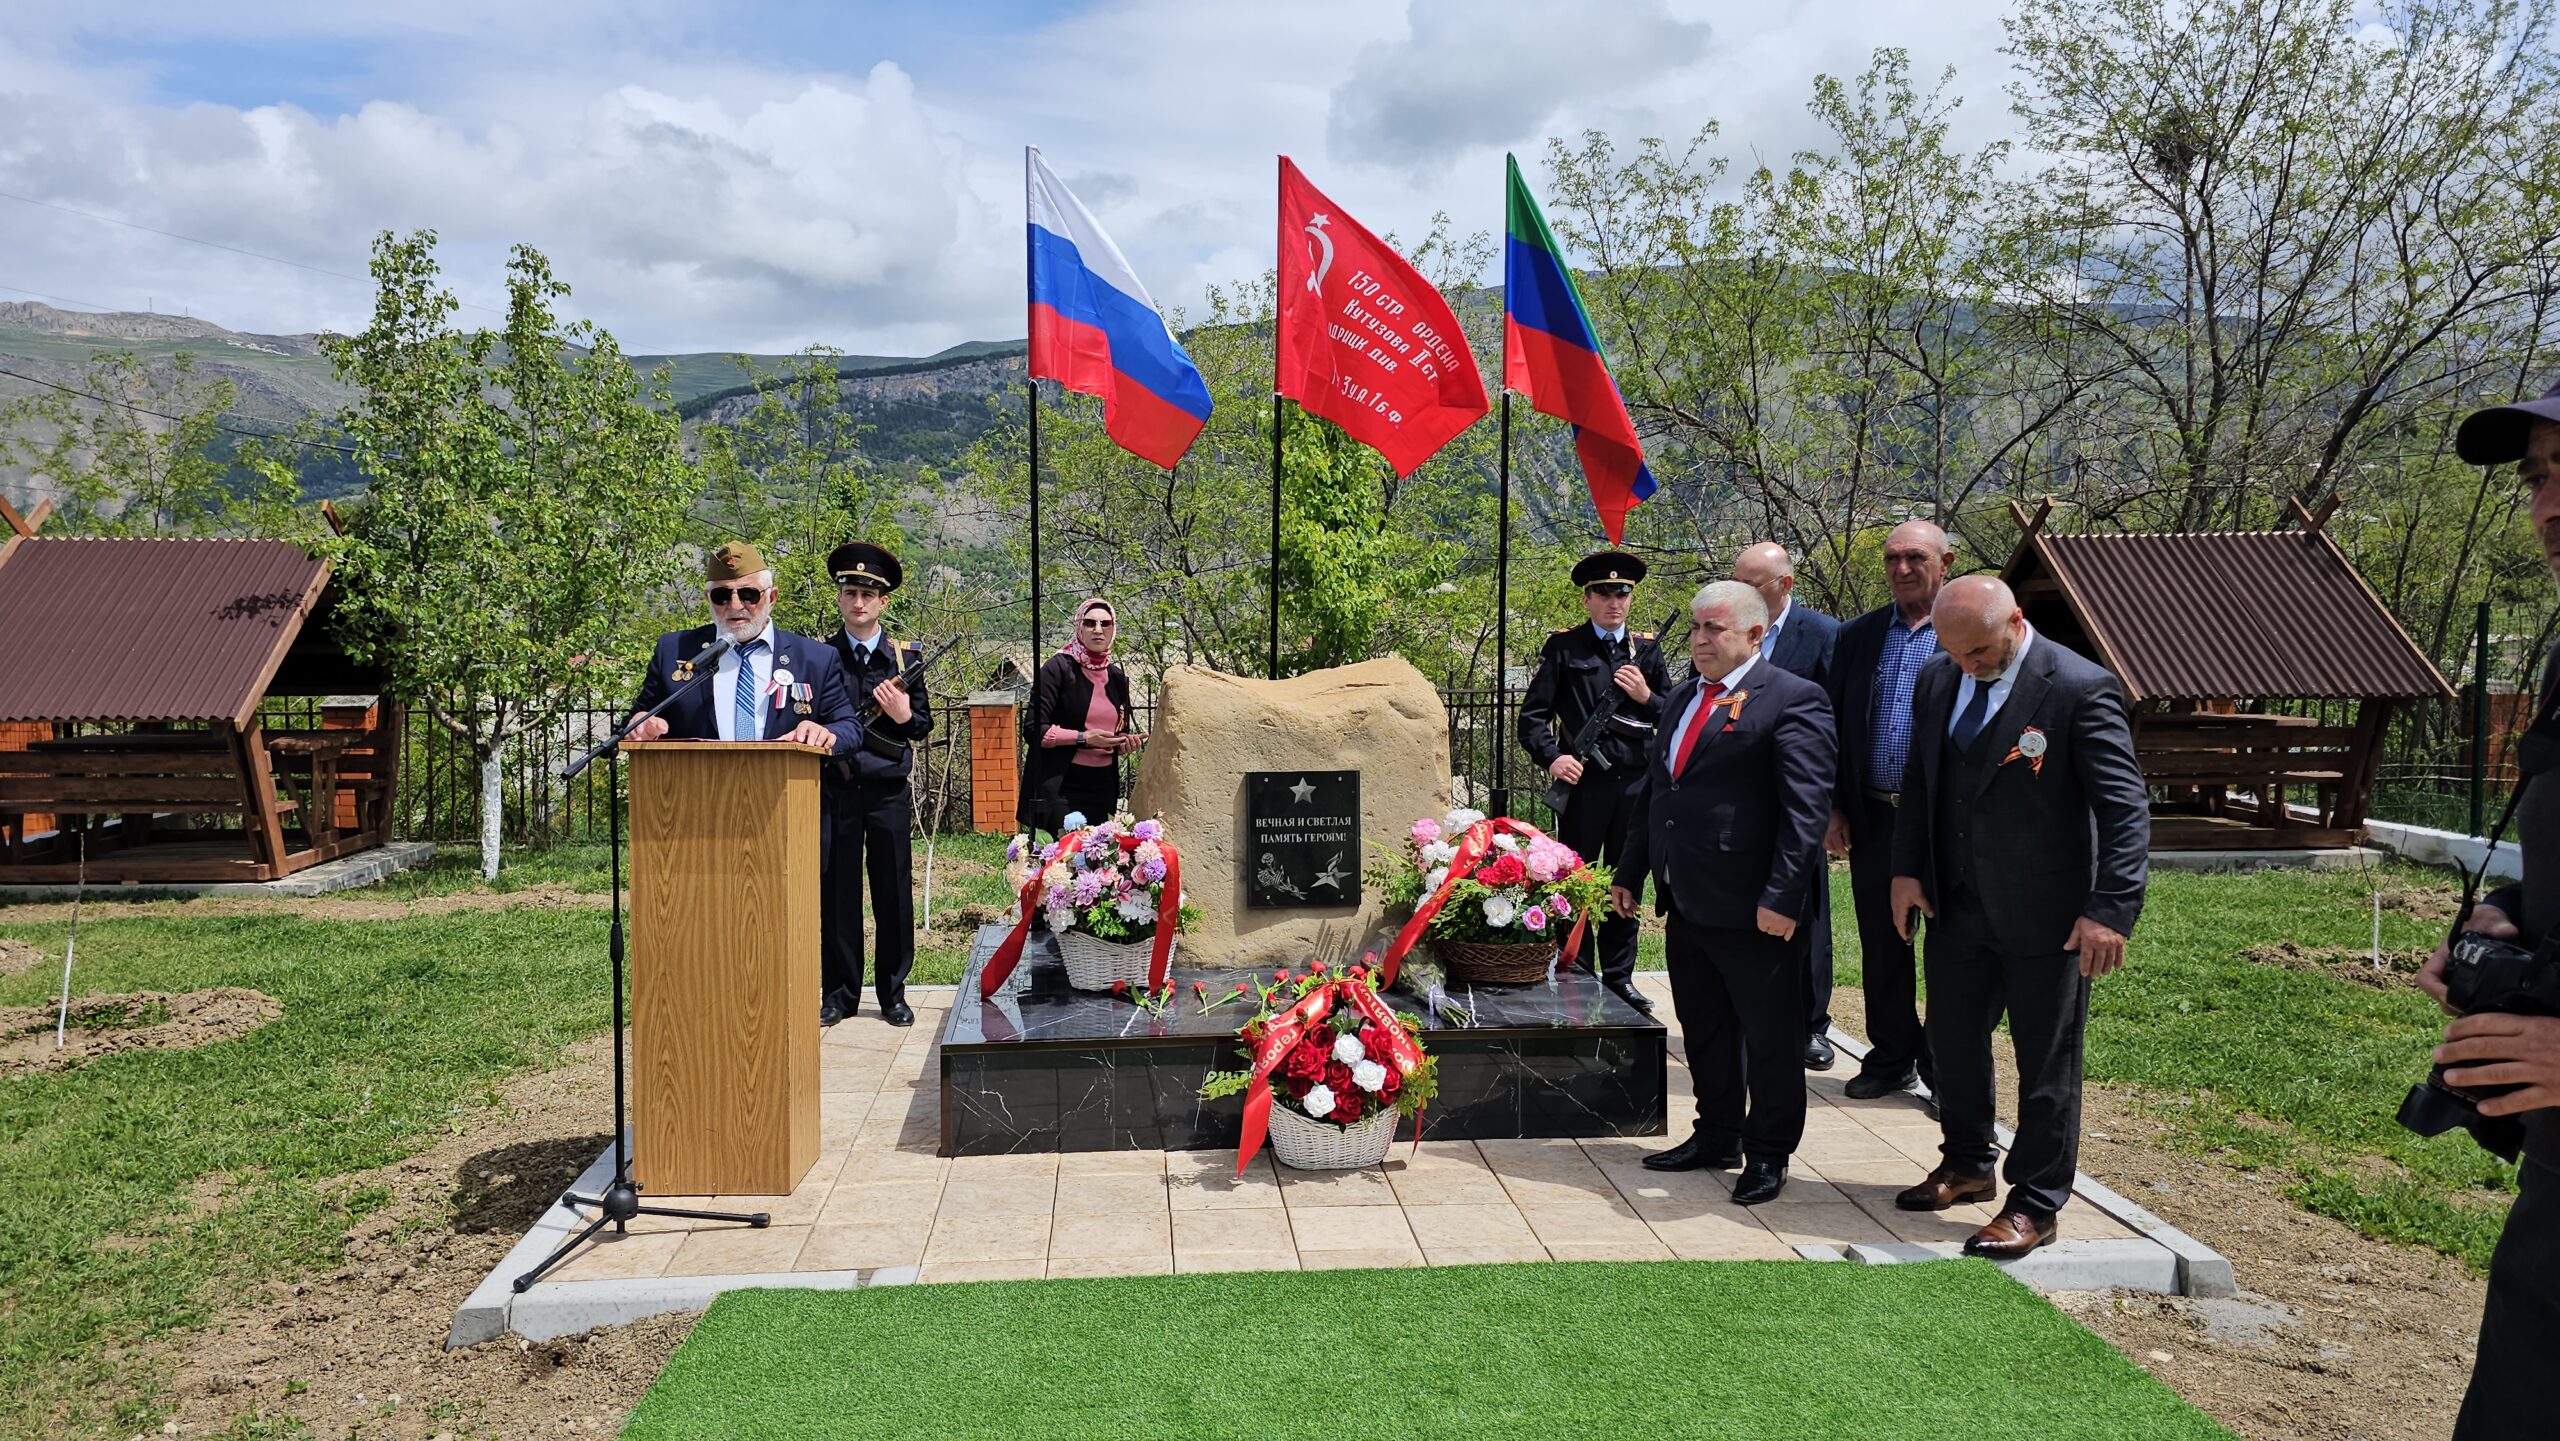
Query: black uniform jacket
[889, 657]
[1573, 674]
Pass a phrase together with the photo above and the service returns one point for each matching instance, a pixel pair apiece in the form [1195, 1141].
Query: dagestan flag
[1551, 358]
[1365, 341]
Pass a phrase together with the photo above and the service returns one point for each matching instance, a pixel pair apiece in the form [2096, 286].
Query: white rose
[1500, 910]
[1368, 1075]
[1349, 1051]
[1439, 853]
[1319, 1101]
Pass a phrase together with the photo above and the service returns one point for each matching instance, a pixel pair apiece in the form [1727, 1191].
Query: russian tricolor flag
[1094, 329]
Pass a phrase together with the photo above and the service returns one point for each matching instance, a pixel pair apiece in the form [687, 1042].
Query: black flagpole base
[619, 1203]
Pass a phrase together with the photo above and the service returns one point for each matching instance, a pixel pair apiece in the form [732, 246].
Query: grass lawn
[1699, 1349]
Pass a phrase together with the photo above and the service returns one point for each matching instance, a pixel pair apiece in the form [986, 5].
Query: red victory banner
[1365, 341]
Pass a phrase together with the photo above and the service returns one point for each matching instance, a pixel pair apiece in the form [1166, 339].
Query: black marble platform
[1041, 1066]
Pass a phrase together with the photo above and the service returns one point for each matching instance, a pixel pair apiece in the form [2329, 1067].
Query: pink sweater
[1099, 715]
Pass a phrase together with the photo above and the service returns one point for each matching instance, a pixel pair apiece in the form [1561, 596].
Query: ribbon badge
[1732, 704]
[1474, 847]
[2030, 748]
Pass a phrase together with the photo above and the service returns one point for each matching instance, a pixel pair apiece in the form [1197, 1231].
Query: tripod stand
[620, 1200]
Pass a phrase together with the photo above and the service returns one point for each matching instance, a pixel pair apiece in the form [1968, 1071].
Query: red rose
[1394, 1083]
[1306, 1061]
[1297, 1088]
[1346, 1105]
[1373, 1043]
[1510, 870]
[1316, 966]
[1337, 1075]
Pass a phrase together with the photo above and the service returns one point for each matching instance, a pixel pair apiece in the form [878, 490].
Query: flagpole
[1274, 671]
[1502, 608]
[1031, 392]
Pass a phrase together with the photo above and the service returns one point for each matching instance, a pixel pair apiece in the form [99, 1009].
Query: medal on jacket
[800, 696]
[2030, 748]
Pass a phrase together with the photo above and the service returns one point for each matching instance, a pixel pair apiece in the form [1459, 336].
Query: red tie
[1707, 694]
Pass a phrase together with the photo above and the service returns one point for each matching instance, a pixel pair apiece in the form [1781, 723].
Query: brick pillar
[995, 763]
[15, 736]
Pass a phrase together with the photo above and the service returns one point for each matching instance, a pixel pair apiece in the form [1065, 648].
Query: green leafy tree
[527, 493]
[136, 447]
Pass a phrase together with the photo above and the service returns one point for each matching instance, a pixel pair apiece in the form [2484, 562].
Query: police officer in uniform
[868, 808]
[1577, 670]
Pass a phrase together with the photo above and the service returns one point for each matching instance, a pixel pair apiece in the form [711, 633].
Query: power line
[64, 299]
[175, 419]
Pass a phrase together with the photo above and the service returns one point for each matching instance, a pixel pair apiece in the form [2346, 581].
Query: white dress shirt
[724, 686]
[1732, 679]
[1999, 688]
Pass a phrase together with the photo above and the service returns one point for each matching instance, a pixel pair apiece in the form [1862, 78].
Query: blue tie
[747, 729]
[1976, 711]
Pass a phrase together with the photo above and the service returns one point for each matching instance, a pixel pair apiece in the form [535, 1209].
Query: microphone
[710, 654]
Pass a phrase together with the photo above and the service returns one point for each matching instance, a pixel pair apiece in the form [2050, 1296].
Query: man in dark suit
[1578, 669]
[2025, 837]
[869, 812]
[1873, 666]
[1730, 811]
[1800, 641]
[769, 685]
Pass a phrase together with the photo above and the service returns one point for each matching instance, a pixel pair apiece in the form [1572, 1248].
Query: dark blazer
[1572, 677]
[1806, 645]
[1740, 827]
[1060, 695]
[888, 659]
[810, 664]
[2050, 846]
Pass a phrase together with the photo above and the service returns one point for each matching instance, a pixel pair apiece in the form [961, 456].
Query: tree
[524, 497]
[782, 467]
[135, 447]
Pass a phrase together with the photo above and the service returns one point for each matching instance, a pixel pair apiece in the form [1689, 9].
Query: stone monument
[1230, 758]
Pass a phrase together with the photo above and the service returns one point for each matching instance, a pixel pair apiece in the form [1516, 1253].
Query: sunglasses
[746, 594]
[1104, 624]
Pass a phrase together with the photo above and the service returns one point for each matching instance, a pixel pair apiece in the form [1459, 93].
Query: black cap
[1608, 567]
[859, 562]
[2496, 436]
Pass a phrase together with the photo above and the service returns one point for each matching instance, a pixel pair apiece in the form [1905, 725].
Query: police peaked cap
[860, 562]
[1608, 567]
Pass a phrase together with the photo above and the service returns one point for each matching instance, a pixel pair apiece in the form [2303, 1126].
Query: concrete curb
[346, 873]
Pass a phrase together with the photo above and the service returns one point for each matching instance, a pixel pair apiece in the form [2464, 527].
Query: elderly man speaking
[770, 685]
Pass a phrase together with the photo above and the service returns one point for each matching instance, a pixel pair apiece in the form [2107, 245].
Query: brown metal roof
[2260, 614]
[112, 629]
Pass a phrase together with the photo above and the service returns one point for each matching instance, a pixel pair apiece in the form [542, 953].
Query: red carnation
[1316, 966]
[1281, 976]
[1199, 988]
[1119, 988]
[1510, 870]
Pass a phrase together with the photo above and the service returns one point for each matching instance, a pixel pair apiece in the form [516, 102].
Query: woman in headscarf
[1078, 727]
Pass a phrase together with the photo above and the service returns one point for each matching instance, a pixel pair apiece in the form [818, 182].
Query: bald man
[1800, 641]
[1874, 666]
[2024, 837]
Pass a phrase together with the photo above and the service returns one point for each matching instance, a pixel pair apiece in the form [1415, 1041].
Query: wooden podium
[724, 966]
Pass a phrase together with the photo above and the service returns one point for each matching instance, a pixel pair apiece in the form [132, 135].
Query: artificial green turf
[1645, 1348]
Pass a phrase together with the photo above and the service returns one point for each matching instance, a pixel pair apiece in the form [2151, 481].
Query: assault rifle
[1586, 746]
[880, 742]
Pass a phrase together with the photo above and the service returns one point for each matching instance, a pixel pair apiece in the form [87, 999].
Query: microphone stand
[620, 1200]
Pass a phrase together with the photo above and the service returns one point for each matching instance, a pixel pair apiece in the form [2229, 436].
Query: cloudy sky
[762, 176]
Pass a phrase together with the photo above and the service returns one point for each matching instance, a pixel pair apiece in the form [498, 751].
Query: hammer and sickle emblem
[1324, 261]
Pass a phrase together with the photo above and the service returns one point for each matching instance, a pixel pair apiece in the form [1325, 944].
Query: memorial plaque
[1302, 839]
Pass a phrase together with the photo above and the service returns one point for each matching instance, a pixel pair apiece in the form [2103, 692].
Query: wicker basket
[1309, 1145]
[1510, 964]
[1094, 963]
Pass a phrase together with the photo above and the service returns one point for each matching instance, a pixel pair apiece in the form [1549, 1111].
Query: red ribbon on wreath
[1168, 915]
[1474, 845]
[1291, 1026]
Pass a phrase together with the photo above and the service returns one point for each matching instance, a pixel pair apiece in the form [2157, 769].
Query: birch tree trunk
[491, 810]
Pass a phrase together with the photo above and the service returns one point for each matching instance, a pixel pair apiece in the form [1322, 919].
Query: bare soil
[2398, 972]
[17, 957]
[131, 1021]
[550, 895]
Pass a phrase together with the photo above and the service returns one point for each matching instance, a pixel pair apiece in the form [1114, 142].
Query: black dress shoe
[1693, 1154]
[1872, 1085]
[832, 1010]
[897, 1013]
[1633, 997]
[1818, 1055]
[1761, 1181]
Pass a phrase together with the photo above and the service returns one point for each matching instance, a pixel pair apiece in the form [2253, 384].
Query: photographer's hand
[2522, 1051]
[2488, 920]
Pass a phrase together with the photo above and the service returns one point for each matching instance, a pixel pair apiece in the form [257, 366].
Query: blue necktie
[1978, 710]
[747, 729]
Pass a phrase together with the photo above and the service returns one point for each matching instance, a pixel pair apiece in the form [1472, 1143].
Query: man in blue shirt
[1874, 664]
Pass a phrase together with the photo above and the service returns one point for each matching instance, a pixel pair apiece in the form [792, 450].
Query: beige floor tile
[1646, 1250]
[943, 1271]
[1377, 1258]
[1080, 1236]
[1443, 1173]
[1350, 1228]
[1201, 1262]
[1064, 1267]
[1736, 1236]
[850, 1204]
[1586, 1225]
[877, 1167]
[866, 1245]
[1953, 1224]
[1366, 1186]
[1484, 1255]
[2084, 1222]
[1261, 1229]
[969, 1193]
[1206, 1181]
[1019, 1163]
[739, 1251]
[1832, 1224]
[988, 1238]
[1546, 1173]
[1112, 1193]
[1112, 1163]
[1440, 1228]
[664, 1225]
[623, 1257]
[1623, 1151]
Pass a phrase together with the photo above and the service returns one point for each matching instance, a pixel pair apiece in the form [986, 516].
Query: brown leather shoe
[1946, 1186]
[2012, 1234]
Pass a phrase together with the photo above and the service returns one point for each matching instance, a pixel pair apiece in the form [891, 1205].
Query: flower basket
[1497, 963]
[1320, 1146]
[1094, 963]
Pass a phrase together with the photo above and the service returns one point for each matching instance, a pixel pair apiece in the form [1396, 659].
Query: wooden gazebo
[132, 713]
[2204, 631]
